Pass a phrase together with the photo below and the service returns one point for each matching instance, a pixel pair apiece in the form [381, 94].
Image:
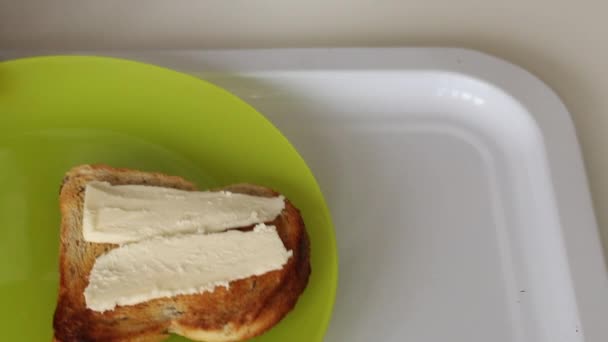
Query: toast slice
[246, 309]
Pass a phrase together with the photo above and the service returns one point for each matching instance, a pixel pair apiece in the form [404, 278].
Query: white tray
[456, 185]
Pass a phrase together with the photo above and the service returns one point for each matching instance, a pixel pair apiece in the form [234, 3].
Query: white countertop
[562, 42]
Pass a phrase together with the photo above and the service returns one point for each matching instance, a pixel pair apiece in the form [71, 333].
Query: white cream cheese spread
[183, 264]
[126, 213]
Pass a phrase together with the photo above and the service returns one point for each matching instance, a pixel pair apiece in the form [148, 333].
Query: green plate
[58, 112]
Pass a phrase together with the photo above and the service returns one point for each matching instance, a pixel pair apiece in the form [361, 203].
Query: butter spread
[127, 213]
[182, 264]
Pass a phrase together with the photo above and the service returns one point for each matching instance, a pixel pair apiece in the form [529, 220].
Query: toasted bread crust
[246, 309]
